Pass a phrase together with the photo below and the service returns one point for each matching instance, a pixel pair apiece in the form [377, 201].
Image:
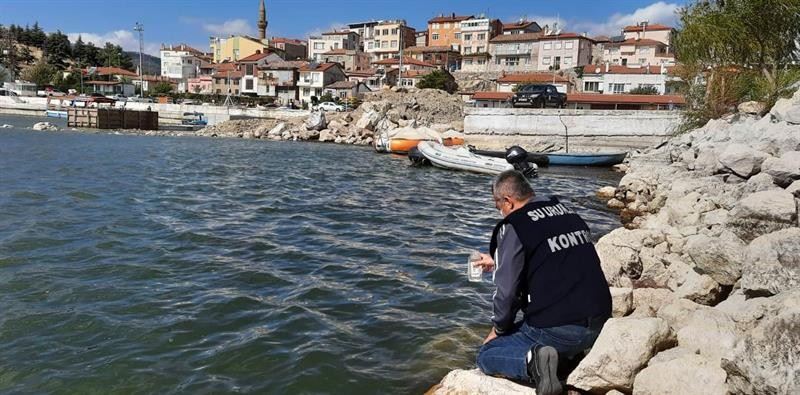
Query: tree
[161, 88]
[438, 79]
[91, 54]
[37, 36]
[57, 49]
[112, 55]
[737, 50]
[40, 74]
[79, 50]
[644, 90]
[5, 75]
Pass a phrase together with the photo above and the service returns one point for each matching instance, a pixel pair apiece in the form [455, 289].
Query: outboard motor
[416, 157]
[518, 157]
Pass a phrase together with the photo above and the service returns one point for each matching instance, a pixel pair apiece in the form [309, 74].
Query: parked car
[138, 99]
[329, 106]
[50, 92]
[118, 97]
[540, 96]
[188, 102]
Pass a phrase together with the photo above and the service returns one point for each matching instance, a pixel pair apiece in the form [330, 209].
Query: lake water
[162, 265]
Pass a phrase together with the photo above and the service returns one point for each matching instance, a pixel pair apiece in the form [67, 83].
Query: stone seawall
[587, 129]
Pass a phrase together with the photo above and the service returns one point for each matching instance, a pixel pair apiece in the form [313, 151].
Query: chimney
[607, 66]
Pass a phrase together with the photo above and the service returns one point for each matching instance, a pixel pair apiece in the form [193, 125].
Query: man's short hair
[512, 183]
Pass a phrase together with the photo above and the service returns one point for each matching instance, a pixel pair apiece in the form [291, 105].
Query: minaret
[262, 21]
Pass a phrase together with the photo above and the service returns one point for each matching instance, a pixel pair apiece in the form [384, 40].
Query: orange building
[446, 31]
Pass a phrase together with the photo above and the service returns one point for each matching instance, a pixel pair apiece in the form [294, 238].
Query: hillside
[151, 64]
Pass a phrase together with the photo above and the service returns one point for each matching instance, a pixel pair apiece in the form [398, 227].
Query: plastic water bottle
[474, 273]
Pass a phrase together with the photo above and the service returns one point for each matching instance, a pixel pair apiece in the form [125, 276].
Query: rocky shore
[705, 273]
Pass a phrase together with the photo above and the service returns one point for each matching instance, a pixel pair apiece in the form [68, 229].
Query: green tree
[438, 79]
[644, 90]
[79, 49]
[91, 55]
[736, 50]
[161, 88]
[113, 55]
[37, 36]
[40, 74]
[57, 49]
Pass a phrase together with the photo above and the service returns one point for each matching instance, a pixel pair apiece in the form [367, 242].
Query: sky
[193, 21]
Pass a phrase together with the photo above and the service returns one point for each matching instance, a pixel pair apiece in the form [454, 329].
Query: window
[616, 88]
[370, 45]
[248, 69]
[496, 60]
[624, 61]
[547, 46]
[467, 37]
[558, 45]
[458, 36]
[335, 45]
[512, 61]
[480, 50]
[642, 61]
[319, 45]
[447, 25]
[644, 51]
[394, 31]
[394, 43]
[236, 54]
[568, 45]
[481, 36]
[591, 86]
[481, 61]
[467, 62]
[467, 50]
[248, 84]
[385, 32]
[567, 60]
[385, 44]
[435, 36]
[546, 60]
[377, 44]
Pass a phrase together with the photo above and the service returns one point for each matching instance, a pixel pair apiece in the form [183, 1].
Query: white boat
[462, 159]
[56, 114]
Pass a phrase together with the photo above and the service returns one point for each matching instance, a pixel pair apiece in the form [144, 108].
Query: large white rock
[620, 352]
[607, 192]
[327, 135]
[316, 121]
[277, 130]
[619, 253]
[621, 301]
[719, 257]
[751, 107]
[794, 189]
[787, 110]
[742, 160]
[763, 212]
[45, 126]
[464, 382]
[708, 332]
[647, 301]
[784, 170]
[700, 288]
[773, 263]
[688, 374]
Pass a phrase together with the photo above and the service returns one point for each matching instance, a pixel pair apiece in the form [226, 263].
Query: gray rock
[764, 212]
[615, 204]
[688, 374]
[666, 356]
[606, 192]
[719, 257]
[248, 135]
[751, 107]
[787, 110]
[277, 130]
[45, 126]
[647, 301]
[621, 301]
[699, 288]
[784, 170]
[766, 360]
[316, 121]
[678, 312]
[773, 263]
[459, 382]
[326, 135]
[794, 189]
[742, 160]
[709, 332]
[620, 352]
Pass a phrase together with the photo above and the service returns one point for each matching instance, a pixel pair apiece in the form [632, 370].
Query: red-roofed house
[564, 51]
[492, 99]
[410, 78]
[442, 56]
[645, 30]
[521, 26]
[315, 77]
[292, 48]
[110, 80]
[249, 66]
[347, 89]
[350, 59]
[318, 45]
[638, 52]
[614, 79]
[445, 30]
[508, 82]
[279, 81]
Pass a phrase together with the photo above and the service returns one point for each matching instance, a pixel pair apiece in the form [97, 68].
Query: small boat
[56, 114]
[533, 157]
[401, 145]
[451, 138]
[462, 159]
[402, 140]
[194, 119]
[381, 143]
[586, 158]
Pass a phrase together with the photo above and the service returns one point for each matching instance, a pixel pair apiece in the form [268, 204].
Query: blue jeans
[505, 356]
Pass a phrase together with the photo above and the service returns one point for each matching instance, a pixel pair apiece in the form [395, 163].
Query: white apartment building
[389, 37]
[315, 77]
[644, 30]
[365, 31]
[512, 53]
[613, 79]
[475, 36]
[318, 45]
[180, 62]
[563, 50]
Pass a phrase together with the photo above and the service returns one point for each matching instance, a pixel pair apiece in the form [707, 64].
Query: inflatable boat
[462, 159]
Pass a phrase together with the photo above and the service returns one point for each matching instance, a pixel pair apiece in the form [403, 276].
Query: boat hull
[533, 157]
[461, 159]
[451, 141]
[402, 146]
[586, 159]
[55, 114]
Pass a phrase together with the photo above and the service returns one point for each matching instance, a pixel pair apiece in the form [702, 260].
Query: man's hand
[486, 263]
[492, 336]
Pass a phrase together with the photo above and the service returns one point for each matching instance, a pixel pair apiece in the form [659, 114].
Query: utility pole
[140, 28]
[400, 70]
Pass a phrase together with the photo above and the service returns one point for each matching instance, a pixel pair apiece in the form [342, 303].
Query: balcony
[512, 51]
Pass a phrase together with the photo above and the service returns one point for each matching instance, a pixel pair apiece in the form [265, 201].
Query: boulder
[787, 110]
[687, 374]
[784, 170]
[248, 135]
[699, 288]
[326, 135]
[766, 360]
[764, 212]
[678, 312]
[619, 256]
[742, 160]
[277, 131]
[794, 189]
[668, 355]
[45, 126]
[647, 301]
[752, 107]
[368, 120]
[719, 257]
[463, 382]
[773, 263]
[708, 332]
[316, 121]
[620, 352]
[615, 204]
[621, 301]
[606, 192]
[745, 312]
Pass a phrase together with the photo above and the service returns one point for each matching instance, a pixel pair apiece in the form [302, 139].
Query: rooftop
[565, 36]
[633, 41]
[114, 71]
[427, 49]
[406, 60]
[181, 47]
[254, 57]
[616, 69]
[343, 85]
[518, 25]
[638, 28]
[624, 98]
[516, 37]
[319, 67]
[450, 18]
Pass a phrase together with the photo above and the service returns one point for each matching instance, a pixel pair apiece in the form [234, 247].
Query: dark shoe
[542, 368]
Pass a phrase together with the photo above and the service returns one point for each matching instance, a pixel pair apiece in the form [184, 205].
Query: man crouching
[548, 268]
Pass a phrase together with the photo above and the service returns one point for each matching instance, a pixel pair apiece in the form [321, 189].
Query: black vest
[563, 281]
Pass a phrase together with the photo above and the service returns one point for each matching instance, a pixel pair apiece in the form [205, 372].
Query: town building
[180, 62]
[21, 88]
[227, 79]
[408, 64]
[365, 31]
[492, 99]
[614, 79]
[202, 85]
[646, 31]
[442, 56]
[638, 52]
[108, 88]
[510, 82]
[445, 30]
[315, 77]
[350, 59]
[594, 101]
[318, 45]
[234, 48]
[564, 50]
[293, 49]
[347, 89]
[279, 81]
[250, 73]
[390, 36]
[411, 78]
[422, 38]
[374, 79]
[475, 38]
[522, 26]
[511, 53]
[147, 83]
